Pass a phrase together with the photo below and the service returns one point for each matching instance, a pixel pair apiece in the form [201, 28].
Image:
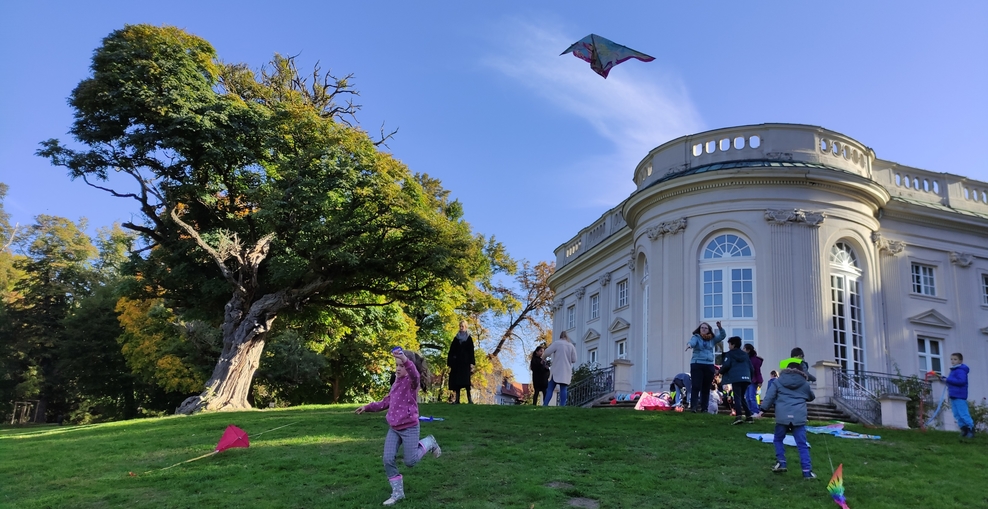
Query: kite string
[279, 427]
[943, 397]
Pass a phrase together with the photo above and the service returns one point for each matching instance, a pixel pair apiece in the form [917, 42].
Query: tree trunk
[243, 343]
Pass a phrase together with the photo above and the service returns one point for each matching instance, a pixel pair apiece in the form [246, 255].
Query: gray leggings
[413, 453]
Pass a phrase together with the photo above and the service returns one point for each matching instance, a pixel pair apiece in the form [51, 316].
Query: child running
[789, 395]
[403, 419]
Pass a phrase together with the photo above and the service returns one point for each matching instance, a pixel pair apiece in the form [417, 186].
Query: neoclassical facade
[791, 235]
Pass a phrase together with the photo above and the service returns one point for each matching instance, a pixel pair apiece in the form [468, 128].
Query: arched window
[727, 285]
[846, 308]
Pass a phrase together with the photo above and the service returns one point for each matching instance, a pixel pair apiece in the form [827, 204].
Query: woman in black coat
[540, 374]
[461, 362]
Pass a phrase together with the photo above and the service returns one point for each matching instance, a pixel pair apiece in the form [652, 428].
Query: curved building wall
[834, 237]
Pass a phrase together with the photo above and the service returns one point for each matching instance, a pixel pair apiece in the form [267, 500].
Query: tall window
[846, 308]
[571, 317]
[728, 284]
[622, 292]
[930, 358]
[923, 282]
[595, 306]
[592, 356]
[622, 349]
[984, 289]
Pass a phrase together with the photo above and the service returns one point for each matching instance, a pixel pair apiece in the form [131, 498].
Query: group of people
[788, 394]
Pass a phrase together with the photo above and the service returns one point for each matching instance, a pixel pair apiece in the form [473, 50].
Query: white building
[791, 235]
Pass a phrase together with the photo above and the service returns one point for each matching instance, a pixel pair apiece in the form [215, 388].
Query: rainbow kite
[603, 54]
[836, 486]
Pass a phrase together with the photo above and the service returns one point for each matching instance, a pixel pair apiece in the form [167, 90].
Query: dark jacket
[736, 367]
[756, 369]
[789, 394]
[957, 381]
[459, 359]
[540, 372]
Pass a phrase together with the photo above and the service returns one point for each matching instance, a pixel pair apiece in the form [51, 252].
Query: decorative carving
[580, 292]
[631, 261]
[604, 279]
[783, 216]
[668, 227]
[963, 260]
[814, 218]
[557, 305]
[890, 247]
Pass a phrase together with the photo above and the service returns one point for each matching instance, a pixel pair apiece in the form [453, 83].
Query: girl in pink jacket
[403, 420]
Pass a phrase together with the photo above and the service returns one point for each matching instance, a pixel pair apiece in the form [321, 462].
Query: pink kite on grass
[232, 437]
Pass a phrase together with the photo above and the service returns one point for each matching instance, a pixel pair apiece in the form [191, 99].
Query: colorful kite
[836, 486]
[232, 437]
[603, 54]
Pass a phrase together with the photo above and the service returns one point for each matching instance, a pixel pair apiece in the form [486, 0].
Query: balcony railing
[858, 392]
[586, 391]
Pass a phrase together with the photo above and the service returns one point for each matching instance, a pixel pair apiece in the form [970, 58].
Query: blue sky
[534, 144]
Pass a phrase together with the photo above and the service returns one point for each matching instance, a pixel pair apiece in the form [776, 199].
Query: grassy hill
[514, 457]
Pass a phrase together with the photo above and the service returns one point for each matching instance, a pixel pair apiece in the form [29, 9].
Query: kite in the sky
[603, 54]
[836, 486]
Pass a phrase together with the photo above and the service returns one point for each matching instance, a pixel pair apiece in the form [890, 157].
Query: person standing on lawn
[702, 364]
[789, 395]
[736, 371]
[751, 396]
[562, 353]
[957, 390]
[461, 361]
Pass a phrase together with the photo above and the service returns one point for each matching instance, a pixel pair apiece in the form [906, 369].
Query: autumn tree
[257, 196]
[533, 302]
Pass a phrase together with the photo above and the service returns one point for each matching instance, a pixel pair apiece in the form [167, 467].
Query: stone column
[945, 420]
[622, 376]
[894, 411]
[825, 389]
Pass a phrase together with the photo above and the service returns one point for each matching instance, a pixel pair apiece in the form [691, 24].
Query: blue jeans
[961, 414]
[562, 393]
[799, 433]
[740, 402]
[751, 396]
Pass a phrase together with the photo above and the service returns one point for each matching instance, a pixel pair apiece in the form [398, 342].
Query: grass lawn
[515, 457]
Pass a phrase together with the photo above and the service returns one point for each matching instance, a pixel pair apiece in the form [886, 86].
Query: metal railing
[859, 391]
[599, 383]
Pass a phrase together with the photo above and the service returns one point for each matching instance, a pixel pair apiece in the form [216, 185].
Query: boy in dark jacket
[789, 394]
[957, 390]
[736, 371]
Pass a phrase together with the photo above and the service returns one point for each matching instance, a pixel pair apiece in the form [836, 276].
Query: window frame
[592, 356]
[920, 287]
[928, 340]
[571, 317]
[619, 345]
[622, 293]
[594, 303]
[738, 280]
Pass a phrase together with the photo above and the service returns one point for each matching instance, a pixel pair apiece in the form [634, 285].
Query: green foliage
[979, 414]
[915, 389]
[583, 371]
[493, 456]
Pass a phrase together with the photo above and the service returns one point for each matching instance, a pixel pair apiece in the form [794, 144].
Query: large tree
[257, 196]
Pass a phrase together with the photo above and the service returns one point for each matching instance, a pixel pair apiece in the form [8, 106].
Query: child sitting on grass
[789, 395]
[403, 419]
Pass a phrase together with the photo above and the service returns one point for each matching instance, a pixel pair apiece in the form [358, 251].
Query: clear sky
[536, 145]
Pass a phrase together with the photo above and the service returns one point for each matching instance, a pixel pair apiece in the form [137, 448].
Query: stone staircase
[814, 411]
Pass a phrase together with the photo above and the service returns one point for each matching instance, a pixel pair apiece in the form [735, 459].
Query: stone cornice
[855, 186]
